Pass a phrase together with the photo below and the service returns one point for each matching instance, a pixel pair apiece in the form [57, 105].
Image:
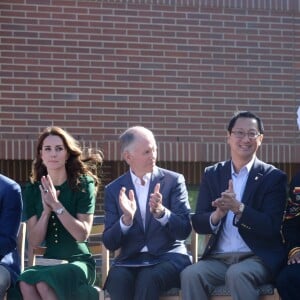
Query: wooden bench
[267, 291]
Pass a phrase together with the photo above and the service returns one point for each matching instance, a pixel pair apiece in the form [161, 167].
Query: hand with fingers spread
[128, 205]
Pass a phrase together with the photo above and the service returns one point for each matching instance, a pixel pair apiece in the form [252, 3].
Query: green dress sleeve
[86, 196]
[32, 200]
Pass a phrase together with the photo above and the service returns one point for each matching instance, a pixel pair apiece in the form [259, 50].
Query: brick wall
[178, 67]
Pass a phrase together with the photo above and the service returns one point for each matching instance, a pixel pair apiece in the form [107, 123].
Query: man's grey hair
[130, 135]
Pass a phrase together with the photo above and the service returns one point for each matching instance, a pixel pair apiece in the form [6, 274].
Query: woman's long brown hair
[80, 162]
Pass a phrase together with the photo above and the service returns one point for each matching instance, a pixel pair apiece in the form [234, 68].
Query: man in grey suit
[241, 204]
[147, 219]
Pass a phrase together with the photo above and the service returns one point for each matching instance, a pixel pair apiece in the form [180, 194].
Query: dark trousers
[141, 283]
[288, 282]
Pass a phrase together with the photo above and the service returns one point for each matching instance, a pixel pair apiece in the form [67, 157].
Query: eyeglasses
[239, 134]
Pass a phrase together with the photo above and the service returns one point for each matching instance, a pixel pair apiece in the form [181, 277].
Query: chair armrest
[39, 250]
[33, 253]
[105, 264]
[194, 245]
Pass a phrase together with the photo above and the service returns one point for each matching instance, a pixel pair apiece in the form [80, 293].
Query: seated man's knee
[119, 279]
[234, 273]
[187, 272]
[4, 285]
[190, 272]
[4, 280]
[119, 275]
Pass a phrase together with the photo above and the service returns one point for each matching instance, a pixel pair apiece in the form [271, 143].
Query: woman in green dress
[59, 207]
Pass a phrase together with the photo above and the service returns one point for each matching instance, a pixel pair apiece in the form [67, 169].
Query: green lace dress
[75, 279]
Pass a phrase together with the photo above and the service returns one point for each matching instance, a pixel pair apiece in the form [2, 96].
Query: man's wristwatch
[241, 209]
[161, 214]
[60, 210]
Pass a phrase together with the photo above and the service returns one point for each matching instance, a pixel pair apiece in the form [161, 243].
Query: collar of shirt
[247, 167]
[137, 181]
[239, 180]
[141, 189]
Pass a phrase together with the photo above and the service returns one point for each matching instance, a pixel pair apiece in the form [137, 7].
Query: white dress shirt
[142, 191]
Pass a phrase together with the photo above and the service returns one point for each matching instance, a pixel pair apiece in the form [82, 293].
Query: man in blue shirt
[241, 203]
